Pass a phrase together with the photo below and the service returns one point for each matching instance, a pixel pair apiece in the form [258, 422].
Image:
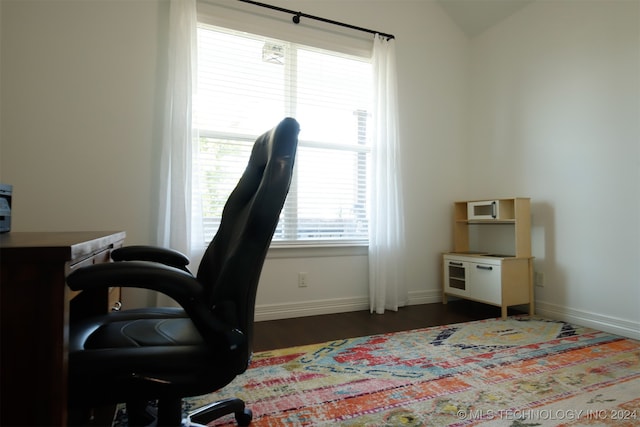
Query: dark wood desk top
[61, 246]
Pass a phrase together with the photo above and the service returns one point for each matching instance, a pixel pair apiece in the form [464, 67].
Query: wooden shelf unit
[502, 280]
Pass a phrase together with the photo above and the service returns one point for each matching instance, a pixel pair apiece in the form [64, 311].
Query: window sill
[317, 250]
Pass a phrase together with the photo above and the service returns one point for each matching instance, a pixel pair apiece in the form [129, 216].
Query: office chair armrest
[159, 254]
[176, 283]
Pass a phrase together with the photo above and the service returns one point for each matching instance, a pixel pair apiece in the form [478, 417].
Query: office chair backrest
[231, 266]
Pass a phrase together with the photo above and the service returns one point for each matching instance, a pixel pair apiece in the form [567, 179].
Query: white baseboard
[333, 305]
[614, 325]
[425, 297]
[310, 308]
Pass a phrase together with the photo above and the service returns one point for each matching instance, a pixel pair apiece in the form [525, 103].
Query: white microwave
[486, 209]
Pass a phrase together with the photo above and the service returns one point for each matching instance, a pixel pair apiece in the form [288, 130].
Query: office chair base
[208, 413]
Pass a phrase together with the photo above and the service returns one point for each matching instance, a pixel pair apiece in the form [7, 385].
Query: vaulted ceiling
[475, 16]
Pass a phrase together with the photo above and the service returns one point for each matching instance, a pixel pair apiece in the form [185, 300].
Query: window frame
[358, 49]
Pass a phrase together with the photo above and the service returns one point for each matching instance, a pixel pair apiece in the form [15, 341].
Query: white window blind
[246, 85]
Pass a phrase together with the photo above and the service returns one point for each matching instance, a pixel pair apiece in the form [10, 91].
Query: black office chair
[165, 354]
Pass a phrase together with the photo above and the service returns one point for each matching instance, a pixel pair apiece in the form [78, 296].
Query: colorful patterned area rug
[516, 372]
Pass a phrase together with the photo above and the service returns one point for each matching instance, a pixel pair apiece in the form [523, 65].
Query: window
[245, 85]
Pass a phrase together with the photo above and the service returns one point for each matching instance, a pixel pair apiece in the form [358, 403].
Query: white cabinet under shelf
[479, 275]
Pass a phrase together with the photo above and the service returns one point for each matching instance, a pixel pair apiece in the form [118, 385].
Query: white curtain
[174, 210]
[175, 164]
[387, 287]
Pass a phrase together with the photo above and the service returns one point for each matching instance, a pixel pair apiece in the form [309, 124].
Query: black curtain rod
[298, 15]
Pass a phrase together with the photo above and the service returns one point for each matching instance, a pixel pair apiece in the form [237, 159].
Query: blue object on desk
[6, 191]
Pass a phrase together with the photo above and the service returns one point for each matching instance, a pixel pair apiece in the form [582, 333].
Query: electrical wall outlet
[302, 280]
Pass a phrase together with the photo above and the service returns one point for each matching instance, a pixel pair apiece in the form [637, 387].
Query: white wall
[82, 90]
[78, 111]
[79, 114]
[555, 115]
[543, 105]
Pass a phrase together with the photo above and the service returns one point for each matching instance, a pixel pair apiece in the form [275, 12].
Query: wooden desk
[36, 306]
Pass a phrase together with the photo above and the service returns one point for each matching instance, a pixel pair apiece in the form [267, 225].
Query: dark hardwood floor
[274, 334]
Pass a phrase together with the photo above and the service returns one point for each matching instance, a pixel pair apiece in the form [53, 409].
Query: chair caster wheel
[244, 418]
